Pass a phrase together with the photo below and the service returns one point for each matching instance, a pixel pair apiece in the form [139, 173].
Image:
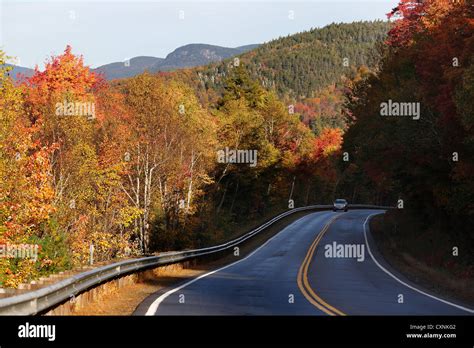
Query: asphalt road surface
[325, 263]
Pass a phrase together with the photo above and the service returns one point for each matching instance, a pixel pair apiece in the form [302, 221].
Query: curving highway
[322, 264]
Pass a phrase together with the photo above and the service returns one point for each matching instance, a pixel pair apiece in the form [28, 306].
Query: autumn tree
[170, 152]
[426, 162]
[61, 101]
[26, 194]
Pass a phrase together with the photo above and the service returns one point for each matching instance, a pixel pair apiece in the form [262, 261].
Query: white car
[340, 204]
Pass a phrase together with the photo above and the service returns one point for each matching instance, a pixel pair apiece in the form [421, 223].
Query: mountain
[199, 54]
[300, 65]
[187, 56]
[297, 66]
[128, 68]
[246, 48]
[16, 70]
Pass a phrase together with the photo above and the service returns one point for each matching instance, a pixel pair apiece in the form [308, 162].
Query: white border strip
[402, 282]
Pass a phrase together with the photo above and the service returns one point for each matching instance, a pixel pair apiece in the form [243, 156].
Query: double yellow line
[303, 282]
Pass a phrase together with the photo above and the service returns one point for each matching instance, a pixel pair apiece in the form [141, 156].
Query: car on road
[340, 204]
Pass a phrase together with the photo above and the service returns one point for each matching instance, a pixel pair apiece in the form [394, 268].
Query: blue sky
[105, 31]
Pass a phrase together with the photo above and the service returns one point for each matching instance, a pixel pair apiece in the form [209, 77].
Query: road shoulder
[413, 272]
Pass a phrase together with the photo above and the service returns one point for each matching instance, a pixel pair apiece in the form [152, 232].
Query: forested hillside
[426, 161]
[309, 71]
[299, 66]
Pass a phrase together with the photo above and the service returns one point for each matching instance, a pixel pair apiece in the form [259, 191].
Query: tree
[26, 194]
[171, 151]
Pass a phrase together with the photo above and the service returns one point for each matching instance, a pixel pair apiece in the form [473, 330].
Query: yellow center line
[303, 282]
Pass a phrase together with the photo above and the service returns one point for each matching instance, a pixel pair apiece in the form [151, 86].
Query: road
[293, 274]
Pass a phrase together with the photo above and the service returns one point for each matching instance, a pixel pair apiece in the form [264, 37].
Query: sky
[106, 31]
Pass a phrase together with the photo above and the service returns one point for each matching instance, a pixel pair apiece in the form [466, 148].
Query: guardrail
[40, 300]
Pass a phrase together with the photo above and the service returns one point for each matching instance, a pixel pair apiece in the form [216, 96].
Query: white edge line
[154, 306]
[400, 281]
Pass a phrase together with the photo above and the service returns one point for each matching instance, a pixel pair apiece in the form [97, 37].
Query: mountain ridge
[187, 56]
[301, 64]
